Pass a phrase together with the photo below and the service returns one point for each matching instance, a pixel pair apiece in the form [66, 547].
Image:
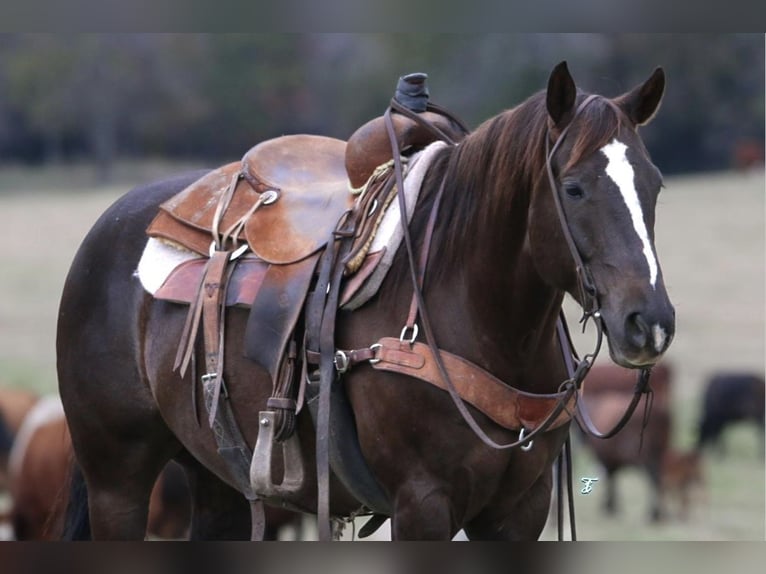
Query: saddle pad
[389, 234]
[173, 274]
[158, 261]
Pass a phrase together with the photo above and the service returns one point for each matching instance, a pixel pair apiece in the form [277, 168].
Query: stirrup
[261, 480]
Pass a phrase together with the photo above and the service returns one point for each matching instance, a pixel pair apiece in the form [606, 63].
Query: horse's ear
[642, 102]
[560, 98]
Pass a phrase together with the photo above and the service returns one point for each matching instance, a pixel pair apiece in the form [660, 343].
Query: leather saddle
[308, 177]
[312, 177]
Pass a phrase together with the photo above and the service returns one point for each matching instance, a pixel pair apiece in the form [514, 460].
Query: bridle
[588, 298]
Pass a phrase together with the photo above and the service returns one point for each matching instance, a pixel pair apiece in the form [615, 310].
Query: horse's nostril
[637, 330]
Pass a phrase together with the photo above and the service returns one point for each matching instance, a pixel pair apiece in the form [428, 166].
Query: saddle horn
[369, 146]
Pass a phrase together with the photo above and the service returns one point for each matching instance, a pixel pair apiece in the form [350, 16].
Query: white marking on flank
[618, 168]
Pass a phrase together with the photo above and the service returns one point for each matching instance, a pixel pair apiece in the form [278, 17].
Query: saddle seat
[308, 174]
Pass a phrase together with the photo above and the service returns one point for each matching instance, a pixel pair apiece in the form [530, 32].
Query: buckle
[341, 361]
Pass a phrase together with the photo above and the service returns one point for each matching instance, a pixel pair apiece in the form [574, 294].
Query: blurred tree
[212, 96]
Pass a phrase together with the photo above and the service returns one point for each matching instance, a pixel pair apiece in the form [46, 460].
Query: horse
[640, 444]
[491, 289]
[729, 398]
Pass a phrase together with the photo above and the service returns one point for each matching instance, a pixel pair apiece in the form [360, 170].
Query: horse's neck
[502, 317]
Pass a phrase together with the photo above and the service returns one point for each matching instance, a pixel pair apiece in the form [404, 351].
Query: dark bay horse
[500, 266]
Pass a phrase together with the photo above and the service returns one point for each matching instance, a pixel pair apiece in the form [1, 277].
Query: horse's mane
[492, 172]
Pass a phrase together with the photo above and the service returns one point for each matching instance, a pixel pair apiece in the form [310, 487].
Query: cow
[607, 390]
[731, 397]
[40, 470]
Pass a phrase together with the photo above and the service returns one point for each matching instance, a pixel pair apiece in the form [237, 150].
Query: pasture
[710, 240]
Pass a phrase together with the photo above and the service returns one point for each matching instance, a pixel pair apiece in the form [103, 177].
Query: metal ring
[373, 347]
[373, 208]
[269, 196]
[525, 447]
[414, 334]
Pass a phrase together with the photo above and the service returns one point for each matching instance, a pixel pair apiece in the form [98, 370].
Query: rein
[591, 309]
[418, 304]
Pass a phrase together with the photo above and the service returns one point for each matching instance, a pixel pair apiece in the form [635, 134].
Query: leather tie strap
[213, 287]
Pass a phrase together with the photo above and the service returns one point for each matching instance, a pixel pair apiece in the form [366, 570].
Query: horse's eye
[573, 190]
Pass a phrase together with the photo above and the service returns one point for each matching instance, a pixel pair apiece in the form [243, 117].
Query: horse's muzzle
[643, 337]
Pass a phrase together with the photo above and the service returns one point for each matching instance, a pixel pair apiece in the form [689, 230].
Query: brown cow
[39, 470]
[607, 392]
[683, 480]
[14, 405]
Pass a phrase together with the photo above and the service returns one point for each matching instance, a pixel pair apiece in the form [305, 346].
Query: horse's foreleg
[219, 512]
[422, 511]
[654, 472]
[523, 520]
[610, 498]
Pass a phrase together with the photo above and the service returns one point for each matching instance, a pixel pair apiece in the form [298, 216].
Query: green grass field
[710, 240]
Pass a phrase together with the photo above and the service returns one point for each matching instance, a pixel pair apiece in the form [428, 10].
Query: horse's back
[735, 396]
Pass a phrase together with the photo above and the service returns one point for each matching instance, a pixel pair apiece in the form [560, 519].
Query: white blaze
[618, 168]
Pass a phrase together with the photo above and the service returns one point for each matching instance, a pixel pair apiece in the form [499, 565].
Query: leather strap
[328, 292]
[213, 285]
[508, 407]
[257, 520]
[424, 252]
[585, 282]
[577, 374]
